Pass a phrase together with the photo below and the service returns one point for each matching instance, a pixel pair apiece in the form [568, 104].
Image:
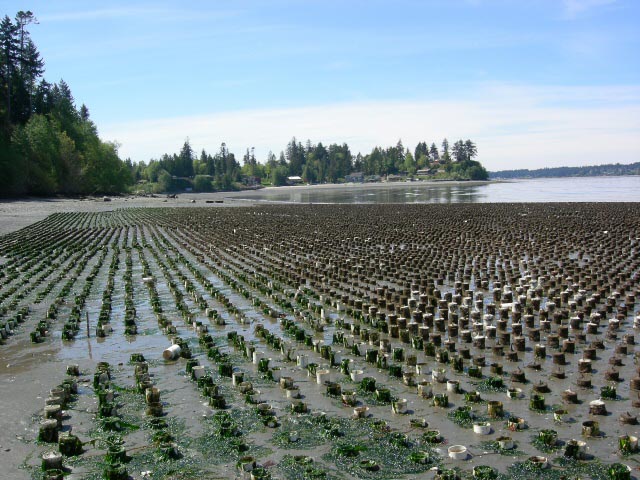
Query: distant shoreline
[337, 186]
[603, 170]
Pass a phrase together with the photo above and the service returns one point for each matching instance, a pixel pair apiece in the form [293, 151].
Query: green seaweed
[563, 469]
[493, 384]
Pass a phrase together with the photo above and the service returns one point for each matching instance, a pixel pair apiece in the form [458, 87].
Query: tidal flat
[319, 341]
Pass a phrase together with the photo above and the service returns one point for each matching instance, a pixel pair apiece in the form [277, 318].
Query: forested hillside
[48, 145]
[610, 169]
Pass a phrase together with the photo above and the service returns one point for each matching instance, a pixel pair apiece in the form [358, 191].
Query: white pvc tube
[172, 353]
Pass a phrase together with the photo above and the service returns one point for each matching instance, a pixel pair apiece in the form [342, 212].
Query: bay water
[568, 189]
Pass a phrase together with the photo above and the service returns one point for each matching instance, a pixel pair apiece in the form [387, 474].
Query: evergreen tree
[358, 164]
[433, 151]
[458, 151]
[295, 155]
[471, 151]
[446, 157]
[421, 155]
[185, 161]
[42, 100]
[84, 113]
[9, 46]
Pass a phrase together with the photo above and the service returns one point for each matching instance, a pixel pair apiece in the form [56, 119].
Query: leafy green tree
[410, 165]
[309, 174]
[375, 162]
[38, 143]
[165, 183]
[105, 172]
[477, 172]
[69, 166]
[279, 176]
[202, 183]
[199, 168]
[422, 162]
[152, 171]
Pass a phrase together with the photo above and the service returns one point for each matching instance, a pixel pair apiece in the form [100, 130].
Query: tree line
[203, 173]
[47, 144]
[312, 162]
[610, 169]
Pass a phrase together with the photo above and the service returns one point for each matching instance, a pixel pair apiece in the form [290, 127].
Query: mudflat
[432, 320]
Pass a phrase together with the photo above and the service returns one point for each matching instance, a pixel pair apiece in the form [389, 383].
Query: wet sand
[19, 213]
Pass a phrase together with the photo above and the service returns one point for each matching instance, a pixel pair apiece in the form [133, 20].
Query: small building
[395, 178]
[250, 180]
[294, 180]
[355, 177]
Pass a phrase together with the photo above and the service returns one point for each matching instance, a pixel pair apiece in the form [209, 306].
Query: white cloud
[512, 126]
[97, 14]
[143, 12]
[573, 8]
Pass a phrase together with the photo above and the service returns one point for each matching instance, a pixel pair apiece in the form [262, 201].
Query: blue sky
[534, 82]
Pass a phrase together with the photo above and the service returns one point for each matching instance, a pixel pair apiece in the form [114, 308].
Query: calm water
[589, 189]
